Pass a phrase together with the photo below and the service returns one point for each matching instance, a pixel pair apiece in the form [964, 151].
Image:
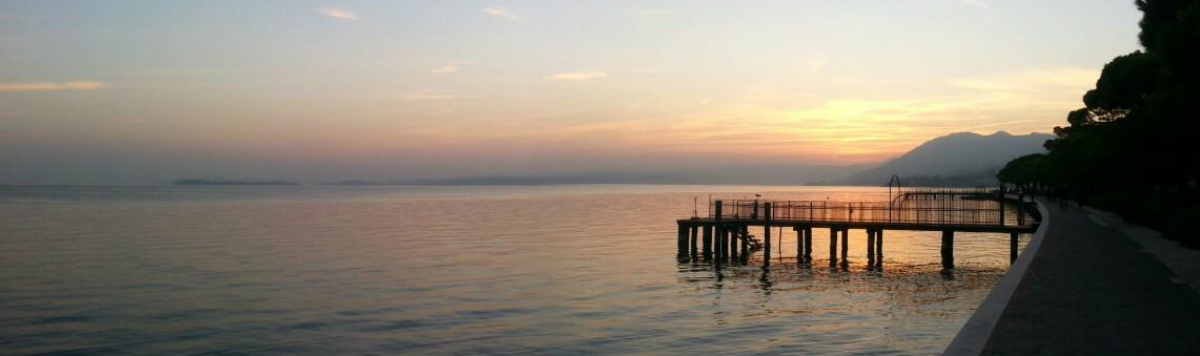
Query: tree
[1131, 148]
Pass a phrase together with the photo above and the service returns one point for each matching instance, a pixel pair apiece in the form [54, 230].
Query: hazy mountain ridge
[959, 159]
[962, 154]
[732, 175]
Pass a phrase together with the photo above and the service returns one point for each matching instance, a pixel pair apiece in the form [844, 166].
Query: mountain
[957, 159]
[733, 175]
[229, 182]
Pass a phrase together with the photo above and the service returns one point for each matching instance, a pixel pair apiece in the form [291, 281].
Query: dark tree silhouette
[1132, 148]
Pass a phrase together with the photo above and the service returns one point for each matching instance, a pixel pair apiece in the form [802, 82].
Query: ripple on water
[528, 271]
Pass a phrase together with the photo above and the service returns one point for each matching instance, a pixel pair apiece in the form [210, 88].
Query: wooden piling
[718, 231]
[683, 230]
[766, 235]
[695, 235]
[808, 243]
[845, 244]
[948, 249]
[708, 235]
[833, 235]
[879, 248]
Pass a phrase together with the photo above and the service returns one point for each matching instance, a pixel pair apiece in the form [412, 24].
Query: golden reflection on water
[395, 270]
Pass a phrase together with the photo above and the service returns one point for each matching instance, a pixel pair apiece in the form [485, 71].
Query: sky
[145, 92]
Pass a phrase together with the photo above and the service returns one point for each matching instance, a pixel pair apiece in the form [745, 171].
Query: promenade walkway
[1091, 290]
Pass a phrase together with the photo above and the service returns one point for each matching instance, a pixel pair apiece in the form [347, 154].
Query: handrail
[930, 206]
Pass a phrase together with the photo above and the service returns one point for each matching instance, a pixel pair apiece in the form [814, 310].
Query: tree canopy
[1133, 146]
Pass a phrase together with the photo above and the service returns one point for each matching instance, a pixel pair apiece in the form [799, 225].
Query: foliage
[1132, 147]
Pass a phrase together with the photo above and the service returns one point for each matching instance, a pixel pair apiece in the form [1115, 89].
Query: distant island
[229, 182]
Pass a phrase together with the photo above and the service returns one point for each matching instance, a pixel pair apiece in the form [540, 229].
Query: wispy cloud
[423, 96]
[445, 70]
[48, 86]
[341, 14]
[1075, 80]
[982, 4]
[502, 12]
[577, 76]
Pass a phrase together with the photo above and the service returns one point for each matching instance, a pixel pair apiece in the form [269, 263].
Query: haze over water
[451, 270]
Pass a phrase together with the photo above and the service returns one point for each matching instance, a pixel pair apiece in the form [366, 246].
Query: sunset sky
[138, 92]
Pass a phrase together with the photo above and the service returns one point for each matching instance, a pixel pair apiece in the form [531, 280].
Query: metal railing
[941, 206]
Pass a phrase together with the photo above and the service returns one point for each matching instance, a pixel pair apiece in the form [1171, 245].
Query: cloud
[501, 12]
[423, 96]
[341, 14]
[983, 4]
[47, 86]
[444, 70]
[1068, 79]
[578, 76]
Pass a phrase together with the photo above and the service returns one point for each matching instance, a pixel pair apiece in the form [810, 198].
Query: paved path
[1091, 291]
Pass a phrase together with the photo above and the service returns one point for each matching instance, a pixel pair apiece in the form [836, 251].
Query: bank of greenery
[1133, 149]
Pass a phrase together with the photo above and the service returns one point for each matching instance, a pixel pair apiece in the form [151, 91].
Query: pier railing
[942, 207]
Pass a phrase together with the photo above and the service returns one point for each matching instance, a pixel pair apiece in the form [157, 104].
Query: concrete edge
[974, 335]
[1182, 261]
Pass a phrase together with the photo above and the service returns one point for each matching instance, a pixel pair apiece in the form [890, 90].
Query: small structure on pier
[939, 210]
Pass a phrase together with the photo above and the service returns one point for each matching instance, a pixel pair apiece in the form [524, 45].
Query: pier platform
[716, 237]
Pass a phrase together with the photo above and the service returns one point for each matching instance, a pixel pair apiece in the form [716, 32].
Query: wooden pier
[943, 210]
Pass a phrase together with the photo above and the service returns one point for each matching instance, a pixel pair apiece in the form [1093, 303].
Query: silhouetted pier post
[695, 236]
[948, 249]
[845, 244]
[717, 231]
[833, 235]
[808, 243]
[766, 235]
[683, 236]
[1012, 248]
[708, 235]
[723, 242]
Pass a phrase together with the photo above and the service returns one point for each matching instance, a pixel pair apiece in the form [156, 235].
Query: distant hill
[747, 175]
[957, 159]
[228, 182]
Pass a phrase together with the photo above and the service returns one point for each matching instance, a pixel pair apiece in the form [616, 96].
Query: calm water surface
[451, 271]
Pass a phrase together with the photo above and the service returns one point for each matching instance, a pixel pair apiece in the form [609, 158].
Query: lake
[539, 270]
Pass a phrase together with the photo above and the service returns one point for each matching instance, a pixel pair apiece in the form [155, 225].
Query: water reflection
[535, 270]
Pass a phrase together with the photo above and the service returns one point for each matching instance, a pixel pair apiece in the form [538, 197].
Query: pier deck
[716, 237]
[907, 226]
